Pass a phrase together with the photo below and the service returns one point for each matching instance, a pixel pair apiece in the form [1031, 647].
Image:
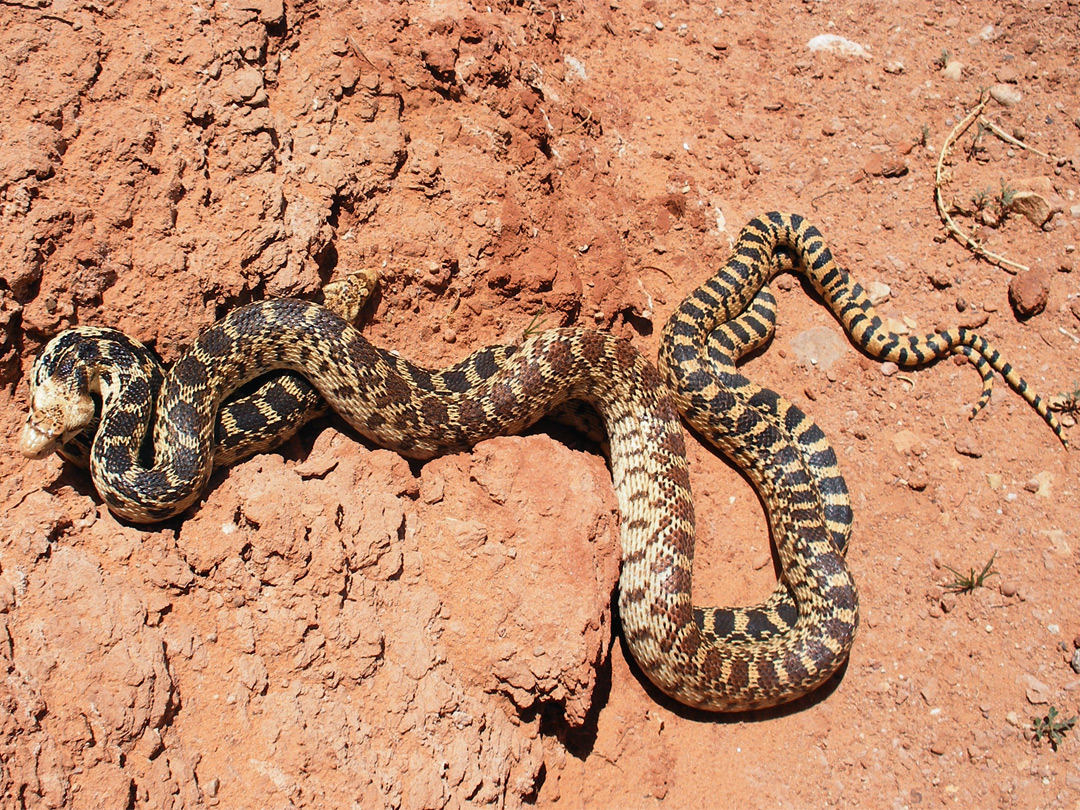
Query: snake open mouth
[35, 442]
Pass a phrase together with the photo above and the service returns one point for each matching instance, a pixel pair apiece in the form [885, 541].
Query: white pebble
[954, 71]
[834, 43]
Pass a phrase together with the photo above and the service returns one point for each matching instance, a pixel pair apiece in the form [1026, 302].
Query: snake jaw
[35, 441]
[56, 417]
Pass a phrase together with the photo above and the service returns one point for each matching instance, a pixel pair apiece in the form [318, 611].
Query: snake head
[347, 297]
[57, 415]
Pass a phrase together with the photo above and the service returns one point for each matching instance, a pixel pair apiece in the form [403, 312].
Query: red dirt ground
[334, 626]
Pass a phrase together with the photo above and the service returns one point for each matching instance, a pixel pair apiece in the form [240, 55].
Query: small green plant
[966, 583]
[943, 58]
[1003, 200]
[1050, 728]
[980, 199]
[924, 135]
[976, 148]
[1008, 193]
[535, 325]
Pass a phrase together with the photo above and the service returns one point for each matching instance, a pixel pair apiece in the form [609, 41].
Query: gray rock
[1006, 95]
[820, 347]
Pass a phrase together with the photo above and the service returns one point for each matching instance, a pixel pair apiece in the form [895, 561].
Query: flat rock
[878, 292]
[1034, 206]
[968, 445]
[833, 43]
[954, 71]
[1006, 95]
[820, 347]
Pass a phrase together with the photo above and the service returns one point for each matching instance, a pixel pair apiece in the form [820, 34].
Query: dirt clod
[1028, 293]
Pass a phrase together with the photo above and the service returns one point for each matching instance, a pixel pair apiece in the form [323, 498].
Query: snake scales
[718, 659]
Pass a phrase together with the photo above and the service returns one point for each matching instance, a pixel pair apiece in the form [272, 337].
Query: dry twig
[940, 180]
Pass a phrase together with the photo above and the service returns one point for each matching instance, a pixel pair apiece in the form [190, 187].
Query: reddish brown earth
[334, 626]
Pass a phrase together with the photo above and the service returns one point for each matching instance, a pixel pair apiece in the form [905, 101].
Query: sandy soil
[334, 626]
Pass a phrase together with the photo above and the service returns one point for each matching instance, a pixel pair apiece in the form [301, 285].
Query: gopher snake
[717, 659]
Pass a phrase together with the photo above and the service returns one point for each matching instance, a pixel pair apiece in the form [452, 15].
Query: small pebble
[1075, 662]
[888, 368]
[1037, 691]
[917, 479]
[953, 72]
[878, 292]
[929, 691]
[1007, 74]
[1006, 95]
[940, 278]
[1008, 588]
[973, 320]
[1034, 207]
[967, 445]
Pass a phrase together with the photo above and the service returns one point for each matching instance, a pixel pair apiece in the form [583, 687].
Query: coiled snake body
[718, 659]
